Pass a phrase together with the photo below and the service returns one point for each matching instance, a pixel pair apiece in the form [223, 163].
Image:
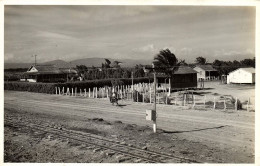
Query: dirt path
[223, 132]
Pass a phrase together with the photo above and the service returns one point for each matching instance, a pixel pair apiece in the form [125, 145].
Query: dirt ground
[208, 136]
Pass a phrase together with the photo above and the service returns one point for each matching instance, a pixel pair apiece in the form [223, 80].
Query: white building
[242, 76]
[206, 72]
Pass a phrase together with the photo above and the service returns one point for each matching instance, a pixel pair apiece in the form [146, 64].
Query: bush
[239, 104]
[30, 87]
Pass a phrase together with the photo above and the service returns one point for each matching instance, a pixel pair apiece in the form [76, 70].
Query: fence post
[205, 101]
[96, 92]
[194, 102]
[59, 90]
[75, 91]
[225, 106]
[214, 106]
[143, 97]
[150, 95]
[72, 92]
[63, 90]
[137, 94]
[184, 99]
[236, 104]
[93, 92]
[68, 91]
[248, 102]
[85, 92]
[80, 92]
[56, 90]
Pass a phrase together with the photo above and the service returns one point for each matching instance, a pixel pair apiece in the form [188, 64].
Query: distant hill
[89, 62]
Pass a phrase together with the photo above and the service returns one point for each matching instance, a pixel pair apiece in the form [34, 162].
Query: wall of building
[201, 73]
[240, 76]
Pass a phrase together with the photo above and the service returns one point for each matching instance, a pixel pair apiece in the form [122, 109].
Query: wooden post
[89, 92]
[248, 102]
[94, 92]
[59, 90]
[75, 91]
[194, 102]
[63, 90]
[71, 91]
[143, 97]
[205, 101]
[236, 104]
[150, 95]
[137, 94]
[107, 93]
[68, 91]
[214, 106]
[184, 99]
[85, 92]
[225, 107]
[56, 90]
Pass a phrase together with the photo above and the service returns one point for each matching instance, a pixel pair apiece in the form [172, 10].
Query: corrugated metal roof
[185, 70]
[206, 67]
[45, 69]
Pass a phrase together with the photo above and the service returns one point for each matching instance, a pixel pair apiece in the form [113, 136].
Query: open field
[187, 135]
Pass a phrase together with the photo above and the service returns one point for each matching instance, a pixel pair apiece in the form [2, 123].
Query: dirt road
[229, 131]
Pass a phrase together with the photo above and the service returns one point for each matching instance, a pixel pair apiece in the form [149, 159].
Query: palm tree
[167, 62]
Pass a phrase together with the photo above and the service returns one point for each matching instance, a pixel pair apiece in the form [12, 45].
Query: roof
[185, 70]
[206, 67]
[44, 69]
[248, 69]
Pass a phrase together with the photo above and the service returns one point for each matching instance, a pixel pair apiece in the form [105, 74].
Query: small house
[184, 77]
[242, 76]
[206, 72]
[47, 73]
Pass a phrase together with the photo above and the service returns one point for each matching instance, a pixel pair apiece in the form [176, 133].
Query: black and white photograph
[129, 83]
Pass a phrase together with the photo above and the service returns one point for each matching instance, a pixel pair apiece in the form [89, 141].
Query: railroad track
[104, 143]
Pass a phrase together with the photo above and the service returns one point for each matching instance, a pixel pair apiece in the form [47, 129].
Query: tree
[201, 60]
[116, 64]
[167, 62]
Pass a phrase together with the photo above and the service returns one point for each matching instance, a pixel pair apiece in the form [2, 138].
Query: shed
[242, 76]
[206, 72]
[184, 77]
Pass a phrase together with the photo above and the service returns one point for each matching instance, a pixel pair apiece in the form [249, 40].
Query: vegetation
[168, 63]
[201, 60]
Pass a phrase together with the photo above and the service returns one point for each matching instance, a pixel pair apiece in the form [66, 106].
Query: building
[242, 76]
[206, 72]
[184, 77]
[47, 73]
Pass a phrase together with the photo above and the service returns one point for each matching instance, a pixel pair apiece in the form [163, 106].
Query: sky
[127, 32]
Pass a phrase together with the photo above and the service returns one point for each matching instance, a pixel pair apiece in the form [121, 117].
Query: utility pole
[154, 103]
[132, 74]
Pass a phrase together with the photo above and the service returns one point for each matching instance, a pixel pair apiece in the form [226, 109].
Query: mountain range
[89, 62]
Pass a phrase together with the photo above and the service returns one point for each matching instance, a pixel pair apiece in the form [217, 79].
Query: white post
[107, 92]
[56, 90]
[68, 91]
[59, 90]
[72, 92]
[89, 92]
[63, 90]
[194, 102]
[184, 100]
[137, 96]
[93, 92]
